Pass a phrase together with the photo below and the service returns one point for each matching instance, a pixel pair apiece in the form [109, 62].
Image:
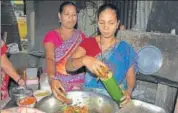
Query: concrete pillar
[30, 23]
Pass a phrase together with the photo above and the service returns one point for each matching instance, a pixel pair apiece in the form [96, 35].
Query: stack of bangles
[52, 78]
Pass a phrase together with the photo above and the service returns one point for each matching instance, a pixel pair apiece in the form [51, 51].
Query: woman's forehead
[107, 14]
[70, 8]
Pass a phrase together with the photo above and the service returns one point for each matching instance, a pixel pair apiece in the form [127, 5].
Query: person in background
[107, 51]
[122, 27]
[59, 43]
[7, 70]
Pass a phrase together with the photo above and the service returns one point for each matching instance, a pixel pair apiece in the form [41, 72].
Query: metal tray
[137, 106]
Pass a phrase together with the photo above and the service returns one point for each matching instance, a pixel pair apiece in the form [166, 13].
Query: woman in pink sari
[59, 44]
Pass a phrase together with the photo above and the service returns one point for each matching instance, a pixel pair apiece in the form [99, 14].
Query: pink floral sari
[62, 52]
[5, 77]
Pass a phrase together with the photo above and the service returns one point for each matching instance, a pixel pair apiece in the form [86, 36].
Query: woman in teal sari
[105, 50]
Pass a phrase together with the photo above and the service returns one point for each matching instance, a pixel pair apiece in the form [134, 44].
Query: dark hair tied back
[108, 6]
[65, 4]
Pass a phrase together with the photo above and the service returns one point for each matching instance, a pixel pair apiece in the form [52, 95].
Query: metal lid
[150, 59]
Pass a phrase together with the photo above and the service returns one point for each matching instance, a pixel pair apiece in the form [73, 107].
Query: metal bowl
[18, 93]
[95, 102]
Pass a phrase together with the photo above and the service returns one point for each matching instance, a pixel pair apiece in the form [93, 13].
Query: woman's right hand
[95, 66]
[59, 92]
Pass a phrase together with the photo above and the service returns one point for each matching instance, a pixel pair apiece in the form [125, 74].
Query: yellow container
[22, 27]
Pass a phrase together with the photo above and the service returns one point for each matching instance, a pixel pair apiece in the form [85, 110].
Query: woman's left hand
[126, 98]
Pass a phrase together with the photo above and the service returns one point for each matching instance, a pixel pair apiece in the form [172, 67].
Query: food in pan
[76, 109]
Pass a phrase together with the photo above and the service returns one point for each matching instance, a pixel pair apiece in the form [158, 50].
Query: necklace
[101, 55]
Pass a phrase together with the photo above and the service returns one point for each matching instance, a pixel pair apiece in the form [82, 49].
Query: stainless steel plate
[95, 102]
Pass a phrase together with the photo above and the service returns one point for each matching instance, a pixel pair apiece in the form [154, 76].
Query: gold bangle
[52, 78]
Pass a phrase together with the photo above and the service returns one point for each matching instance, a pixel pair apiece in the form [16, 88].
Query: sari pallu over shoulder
[119, 59]
[62, 52]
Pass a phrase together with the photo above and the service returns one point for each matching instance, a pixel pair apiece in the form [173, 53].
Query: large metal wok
[95, 102]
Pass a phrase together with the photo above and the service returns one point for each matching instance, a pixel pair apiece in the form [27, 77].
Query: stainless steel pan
[95, 102]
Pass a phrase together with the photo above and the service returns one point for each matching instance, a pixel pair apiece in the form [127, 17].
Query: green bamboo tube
[112, 87]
